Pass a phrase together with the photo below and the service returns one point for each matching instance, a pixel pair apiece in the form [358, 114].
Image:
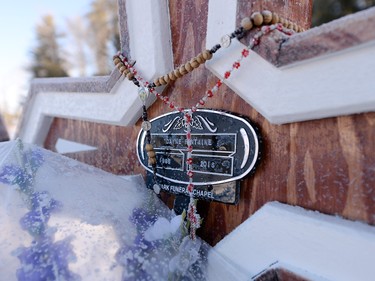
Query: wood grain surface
[326, 165]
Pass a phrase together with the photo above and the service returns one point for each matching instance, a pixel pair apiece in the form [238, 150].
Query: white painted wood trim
[150, 46]
[64, 146]
[221, 20]
[333, 85]
[327, 247]
[150, 40]
[326, 86]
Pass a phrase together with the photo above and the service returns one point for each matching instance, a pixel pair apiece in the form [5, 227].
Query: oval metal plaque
[225, 147]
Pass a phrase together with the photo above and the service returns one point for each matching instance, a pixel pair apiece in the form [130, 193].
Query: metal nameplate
[225, 149]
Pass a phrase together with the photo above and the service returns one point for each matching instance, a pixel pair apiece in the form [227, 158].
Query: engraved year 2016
[207, 164]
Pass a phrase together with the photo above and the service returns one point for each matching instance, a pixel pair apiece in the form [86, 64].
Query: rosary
[265, 22]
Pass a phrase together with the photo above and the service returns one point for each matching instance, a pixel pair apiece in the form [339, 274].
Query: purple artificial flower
[142, 219]
[34, 158]
[7, 174]
[42, 200]
[45, 260]
[12, 174]
[139, 275]
[127, 254]
[141, 243]
[34, 222]
[130, 258]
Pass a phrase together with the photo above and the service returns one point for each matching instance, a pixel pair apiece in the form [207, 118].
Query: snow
[76, 203]
[64, 220]
[163, 228]
[323, 246]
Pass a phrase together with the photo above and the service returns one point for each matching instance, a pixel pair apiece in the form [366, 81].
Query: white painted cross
[331, 85]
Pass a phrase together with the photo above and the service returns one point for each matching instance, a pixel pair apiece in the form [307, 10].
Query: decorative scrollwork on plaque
[197, 122]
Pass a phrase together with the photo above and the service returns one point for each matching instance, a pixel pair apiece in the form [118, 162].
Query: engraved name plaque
[225, 149]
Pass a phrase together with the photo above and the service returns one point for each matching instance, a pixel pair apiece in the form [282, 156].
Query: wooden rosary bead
[116, 60]
[267, 17]
[188, 67]
[207, 55]
[246, 23]
[122, 68]
[151, 154]
[200, 58]
[257, 18]
[156, 82]
[149, 147]
[118, 66]
[289, 24]
[283, 21]
[194, 63]
[182, 70]
[151, 161]
[275, 18]
[162, 81]
[172, 76]
[177, 73]
[166, 78]
[126, 71]
[130, 75]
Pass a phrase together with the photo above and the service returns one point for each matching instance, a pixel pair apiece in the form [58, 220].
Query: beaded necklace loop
[257, 19]
[127, 68]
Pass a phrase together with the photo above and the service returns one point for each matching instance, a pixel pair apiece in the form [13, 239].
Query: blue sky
[17, 25]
